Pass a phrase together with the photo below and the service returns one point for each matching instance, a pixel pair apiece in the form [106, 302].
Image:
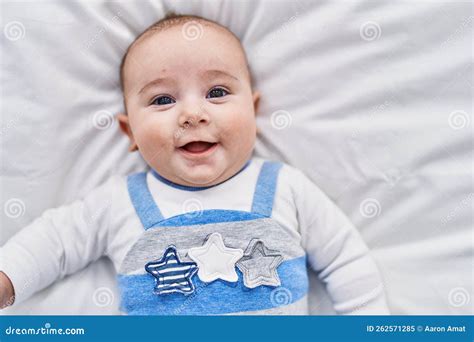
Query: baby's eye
[162, 100]
[217, 92]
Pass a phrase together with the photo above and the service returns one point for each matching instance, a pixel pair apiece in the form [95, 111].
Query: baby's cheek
[154, 140]
[240, 131]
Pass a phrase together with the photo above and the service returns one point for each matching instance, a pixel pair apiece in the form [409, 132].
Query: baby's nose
[193, 118]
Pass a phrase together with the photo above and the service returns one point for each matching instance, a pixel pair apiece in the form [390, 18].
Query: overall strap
[142, 200]
[265, 188]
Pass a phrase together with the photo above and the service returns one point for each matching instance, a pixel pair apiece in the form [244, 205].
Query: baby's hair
[172, 19]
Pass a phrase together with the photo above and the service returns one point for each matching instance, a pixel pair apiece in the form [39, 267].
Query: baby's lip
[197, 140]
[198, 149]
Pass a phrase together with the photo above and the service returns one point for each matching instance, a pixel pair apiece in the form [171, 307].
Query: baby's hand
[7, 296]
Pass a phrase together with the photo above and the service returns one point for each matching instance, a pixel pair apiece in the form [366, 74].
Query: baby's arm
[60, 242]
[338, 253]
[6, 291]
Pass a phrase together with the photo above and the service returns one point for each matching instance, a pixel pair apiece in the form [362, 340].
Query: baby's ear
[256, 100]
[125, 128]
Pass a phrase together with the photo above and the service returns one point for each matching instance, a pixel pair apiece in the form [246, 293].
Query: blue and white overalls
[214, 261]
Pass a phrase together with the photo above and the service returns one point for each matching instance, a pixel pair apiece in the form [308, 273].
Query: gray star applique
[259, 265]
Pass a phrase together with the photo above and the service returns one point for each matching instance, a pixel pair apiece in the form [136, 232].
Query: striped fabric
[171, 274]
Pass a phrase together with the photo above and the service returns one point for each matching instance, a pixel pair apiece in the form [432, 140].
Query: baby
[210, 229]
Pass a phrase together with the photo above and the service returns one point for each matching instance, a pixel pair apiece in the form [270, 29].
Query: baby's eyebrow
[209, 74]
[216, 73]
[155, 82]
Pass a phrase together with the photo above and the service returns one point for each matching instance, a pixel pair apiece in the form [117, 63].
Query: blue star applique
[172, 275]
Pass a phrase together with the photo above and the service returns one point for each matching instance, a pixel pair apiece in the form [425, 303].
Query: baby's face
[191, 110]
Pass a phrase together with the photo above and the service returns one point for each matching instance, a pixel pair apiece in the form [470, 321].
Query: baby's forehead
[191, 31]
[204, 37]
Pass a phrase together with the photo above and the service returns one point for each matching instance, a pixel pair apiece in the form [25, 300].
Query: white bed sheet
[373, 100]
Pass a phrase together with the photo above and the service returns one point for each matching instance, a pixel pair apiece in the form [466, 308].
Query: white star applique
[215, 260]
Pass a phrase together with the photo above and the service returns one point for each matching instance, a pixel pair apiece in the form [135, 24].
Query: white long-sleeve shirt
[66, 239]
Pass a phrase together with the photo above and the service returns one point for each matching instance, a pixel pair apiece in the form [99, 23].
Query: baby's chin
[199, 176]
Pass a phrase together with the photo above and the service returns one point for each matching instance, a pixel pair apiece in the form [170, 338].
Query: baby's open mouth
[198, 146]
